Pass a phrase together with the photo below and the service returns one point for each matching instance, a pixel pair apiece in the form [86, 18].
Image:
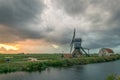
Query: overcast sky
[37, 26]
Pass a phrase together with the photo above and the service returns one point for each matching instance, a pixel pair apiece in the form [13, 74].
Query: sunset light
[55, 46]
[8, 47]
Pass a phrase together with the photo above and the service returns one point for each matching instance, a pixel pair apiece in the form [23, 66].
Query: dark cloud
[8, 35]
[104, 39]
[105, 20]
[17, 15]
[73, 7]
[19, 12]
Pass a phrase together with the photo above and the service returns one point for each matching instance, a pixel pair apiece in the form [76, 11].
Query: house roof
[109, 50]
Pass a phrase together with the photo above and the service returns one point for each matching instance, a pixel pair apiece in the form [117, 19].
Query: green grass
[113, 77]
[18, 62]
[24, 57]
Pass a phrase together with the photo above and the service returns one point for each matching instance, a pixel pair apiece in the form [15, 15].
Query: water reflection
[81, 72]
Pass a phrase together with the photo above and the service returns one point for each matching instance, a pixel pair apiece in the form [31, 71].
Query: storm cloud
[18, 12]
[16, 15]
[103, 18]
[97, 22]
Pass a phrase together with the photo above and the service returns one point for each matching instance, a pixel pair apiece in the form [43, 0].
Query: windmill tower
[78, 49]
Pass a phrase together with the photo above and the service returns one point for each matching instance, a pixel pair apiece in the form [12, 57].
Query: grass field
[24, 57]
[20, 62]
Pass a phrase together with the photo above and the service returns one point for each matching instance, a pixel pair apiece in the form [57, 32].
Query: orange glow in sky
[55, 46]
[8, 47]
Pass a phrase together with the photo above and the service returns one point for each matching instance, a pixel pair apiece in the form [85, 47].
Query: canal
[97, 71]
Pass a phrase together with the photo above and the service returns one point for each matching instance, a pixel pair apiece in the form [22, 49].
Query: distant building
[105, 52]
[66, 55]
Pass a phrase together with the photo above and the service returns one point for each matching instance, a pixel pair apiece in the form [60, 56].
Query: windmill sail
[71, 45]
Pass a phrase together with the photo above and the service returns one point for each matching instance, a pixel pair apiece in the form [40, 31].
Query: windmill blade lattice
[71, 45]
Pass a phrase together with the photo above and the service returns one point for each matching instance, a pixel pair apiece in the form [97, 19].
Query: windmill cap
[77, 40]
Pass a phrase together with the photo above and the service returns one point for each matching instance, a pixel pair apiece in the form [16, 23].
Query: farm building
[105, 52]
[66, 55]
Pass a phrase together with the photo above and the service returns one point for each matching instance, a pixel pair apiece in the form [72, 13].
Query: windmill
[78, 49]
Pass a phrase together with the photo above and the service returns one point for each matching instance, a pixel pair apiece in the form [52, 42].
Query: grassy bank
[22, 65]
[113, 77]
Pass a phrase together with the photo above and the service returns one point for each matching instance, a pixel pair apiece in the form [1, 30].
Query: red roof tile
[109, 50]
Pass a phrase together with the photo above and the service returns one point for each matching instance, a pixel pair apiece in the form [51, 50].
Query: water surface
[97, 71]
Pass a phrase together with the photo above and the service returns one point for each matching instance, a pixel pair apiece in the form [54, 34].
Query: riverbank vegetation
[21, 63]
[113, 77]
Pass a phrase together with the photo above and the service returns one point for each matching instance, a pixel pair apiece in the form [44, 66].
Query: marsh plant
[113, 77]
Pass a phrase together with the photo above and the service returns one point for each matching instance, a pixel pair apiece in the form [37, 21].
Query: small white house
[105, 52]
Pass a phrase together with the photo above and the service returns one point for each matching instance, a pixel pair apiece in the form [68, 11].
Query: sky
[46, 26]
